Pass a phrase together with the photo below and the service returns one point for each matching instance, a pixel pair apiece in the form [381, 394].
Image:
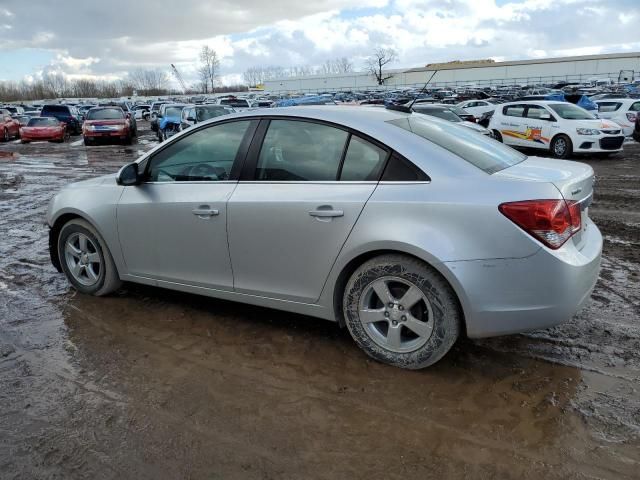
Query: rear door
[305, 185]
[512, 125]
[173, 227]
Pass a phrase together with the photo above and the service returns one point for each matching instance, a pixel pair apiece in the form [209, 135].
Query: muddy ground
[153, 384]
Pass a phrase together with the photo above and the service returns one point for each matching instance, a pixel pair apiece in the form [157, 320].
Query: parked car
[142, 112]
[560, 127]
[636, 130]
[238, 104]
[64, 113]
[44, 129]
[373, 218]
[126, 108]
[485, 118]
[9, 126]
[22, 119]
[153, 114]
[623, 111]
[478, 107]
[169, 117]
[14, 110]
[192, 114]
[107, 123]
[446, 113]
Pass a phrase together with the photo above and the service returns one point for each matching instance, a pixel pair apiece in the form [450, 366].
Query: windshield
[173, 111]
[43, 122]
[571, 112]
[205, 113]
[440, 113]
[105, 114]
[477, 149]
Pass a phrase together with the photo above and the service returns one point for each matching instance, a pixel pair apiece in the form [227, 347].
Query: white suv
[623, 111]
[560, 127]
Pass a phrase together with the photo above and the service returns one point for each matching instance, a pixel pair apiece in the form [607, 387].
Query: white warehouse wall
[608, 65]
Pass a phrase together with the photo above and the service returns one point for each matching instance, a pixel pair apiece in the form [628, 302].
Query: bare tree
[336, 66]
[148, 82]
[209, 65]
[376, 63]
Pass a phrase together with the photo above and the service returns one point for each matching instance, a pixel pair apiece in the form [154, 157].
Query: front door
[173, 227]
[289, 222]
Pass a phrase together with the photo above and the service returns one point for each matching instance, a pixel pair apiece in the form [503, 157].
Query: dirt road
[153, 384]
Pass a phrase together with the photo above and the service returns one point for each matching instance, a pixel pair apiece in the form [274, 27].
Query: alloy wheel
[560, 147]
[83, 260]
[396, 314]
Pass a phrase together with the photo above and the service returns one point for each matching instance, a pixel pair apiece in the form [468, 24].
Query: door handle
[205, 211]
[326, 213]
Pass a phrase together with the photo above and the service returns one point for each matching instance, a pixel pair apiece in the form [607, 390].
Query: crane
[176, 73]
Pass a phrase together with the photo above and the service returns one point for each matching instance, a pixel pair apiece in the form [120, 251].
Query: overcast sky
[108, 38]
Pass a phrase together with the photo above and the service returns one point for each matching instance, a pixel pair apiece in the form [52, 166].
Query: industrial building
[617, 66]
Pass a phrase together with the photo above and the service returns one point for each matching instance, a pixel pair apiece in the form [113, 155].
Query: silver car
[408, 230]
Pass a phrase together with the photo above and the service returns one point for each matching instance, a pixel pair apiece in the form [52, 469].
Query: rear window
[479, 150]
[205, 113]
[105, 114]
[609, 106]
[43, 122]
[234, 102]
[440, 113]
[56, 109]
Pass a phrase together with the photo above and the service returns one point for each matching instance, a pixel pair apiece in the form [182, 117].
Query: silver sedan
[408, 230]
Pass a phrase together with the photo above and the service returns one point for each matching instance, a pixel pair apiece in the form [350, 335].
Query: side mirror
[128, 175]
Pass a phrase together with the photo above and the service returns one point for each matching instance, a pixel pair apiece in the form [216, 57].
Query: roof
[581, 58]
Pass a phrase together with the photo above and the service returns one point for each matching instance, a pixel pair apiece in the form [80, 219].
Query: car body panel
[281, 257]
[625, 113]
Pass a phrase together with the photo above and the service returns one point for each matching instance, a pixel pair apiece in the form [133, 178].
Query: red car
[106, 123]
[9, 127]
[44, 129]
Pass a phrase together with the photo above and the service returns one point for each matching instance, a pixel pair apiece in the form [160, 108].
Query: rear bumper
[507, 296]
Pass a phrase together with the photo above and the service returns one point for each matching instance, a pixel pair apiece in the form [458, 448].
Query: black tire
[88, 142]
[555, 147]
[497, 136]
[128, 140]
[108, 280]
[5, 136]
[444, 309]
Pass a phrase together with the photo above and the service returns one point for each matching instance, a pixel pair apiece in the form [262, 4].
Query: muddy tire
[86, 260]
[401, 312]
[497, 136]
[561, 146]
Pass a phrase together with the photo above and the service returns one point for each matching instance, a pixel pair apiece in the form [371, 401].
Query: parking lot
[151, 383]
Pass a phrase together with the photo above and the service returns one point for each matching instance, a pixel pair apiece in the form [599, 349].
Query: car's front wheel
[561, 146]
[85, 259]
[402, 312]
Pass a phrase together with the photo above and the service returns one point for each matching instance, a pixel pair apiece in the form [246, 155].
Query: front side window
[300, 151]
[363, 162]
[571, 112]
[513, 111]
[635, 107]
[535, 111]
[205, 155]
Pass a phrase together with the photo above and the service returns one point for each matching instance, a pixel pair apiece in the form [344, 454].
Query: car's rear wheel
[561, 146]
[5, 136]
[497, 135]
[88, 142]
[85, 259]
[401, 312]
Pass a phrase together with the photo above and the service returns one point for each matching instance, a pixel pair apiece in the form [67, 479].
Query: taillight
[631, 117]
[552, 222]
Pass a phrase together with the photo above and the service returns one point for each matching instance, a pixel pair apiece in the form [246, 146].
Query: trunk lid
[574, 180]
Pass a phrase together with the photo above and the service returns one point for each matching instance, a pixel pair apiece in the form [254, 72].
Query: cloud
[108, 39]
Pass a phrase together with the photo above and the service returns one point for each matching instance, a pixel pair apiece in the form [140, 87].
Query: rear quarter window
[609, 106]
[513, 111]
